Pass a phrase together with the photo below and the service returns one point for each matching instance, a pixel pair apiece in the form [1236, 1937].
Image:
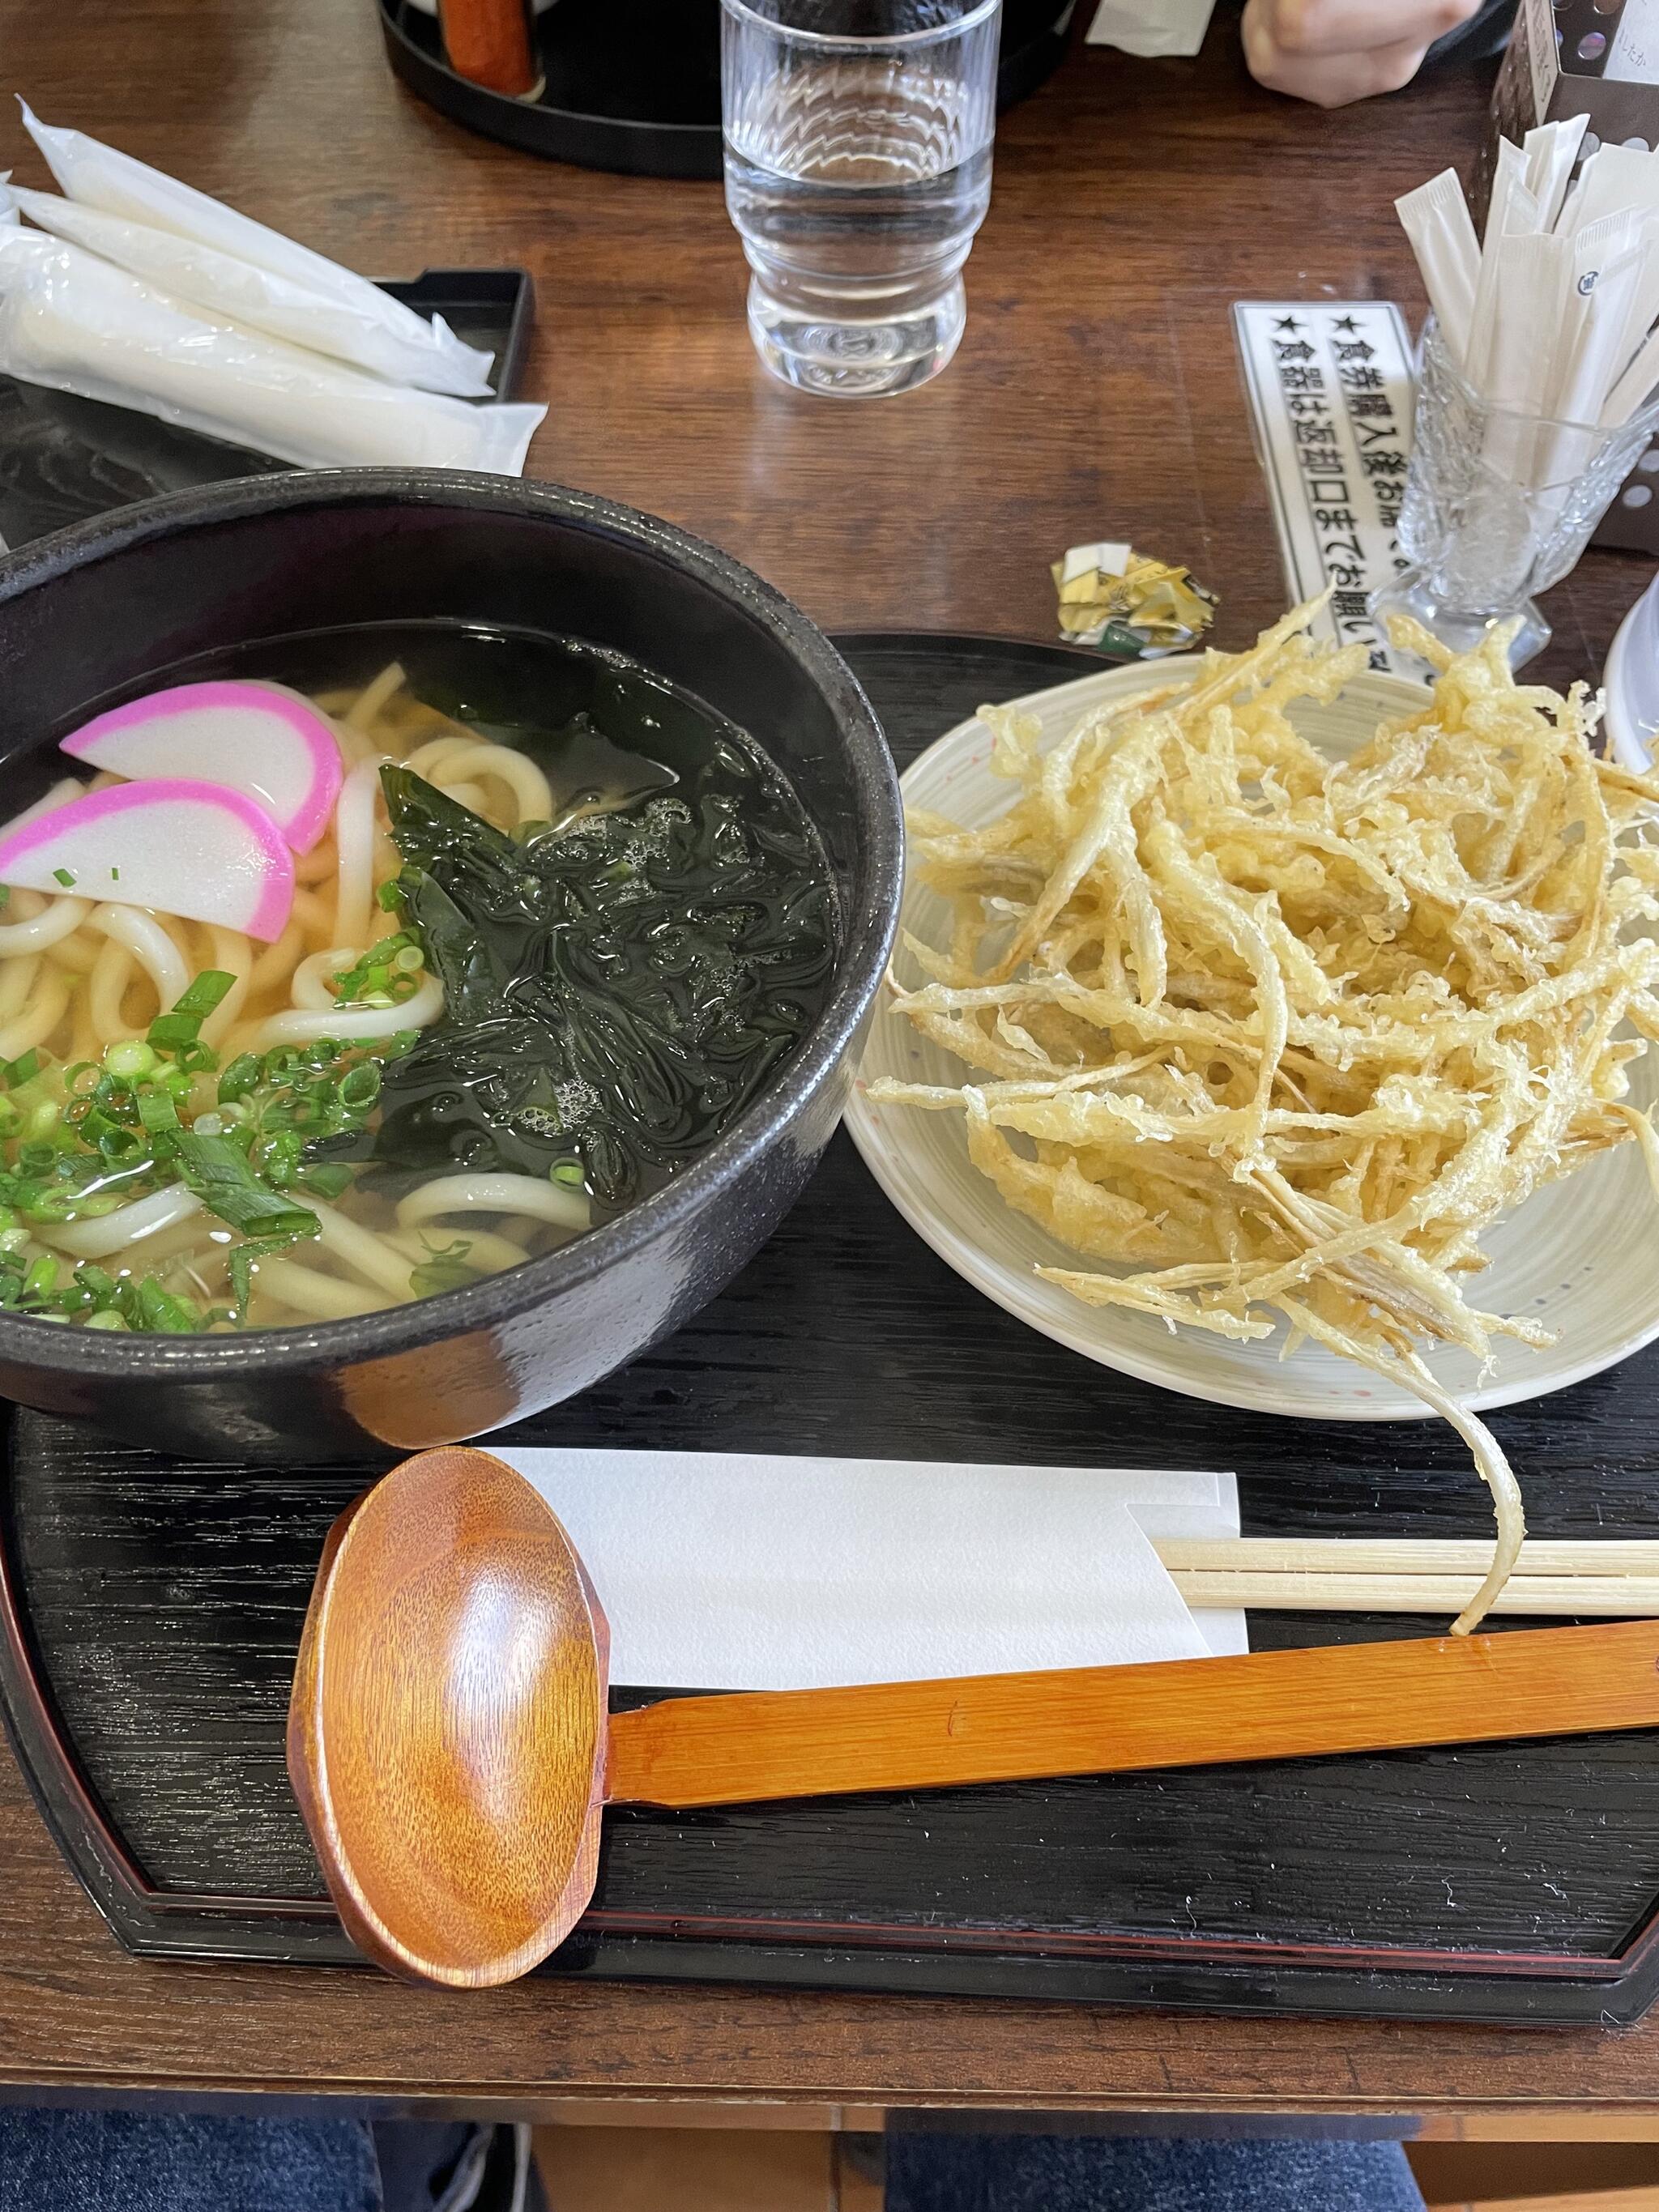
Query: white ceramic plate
[1582, 1255]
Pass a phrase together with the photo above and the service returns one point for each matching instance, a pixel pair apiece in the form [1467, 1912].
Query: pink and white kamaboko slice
[261, 740]
[198, 850]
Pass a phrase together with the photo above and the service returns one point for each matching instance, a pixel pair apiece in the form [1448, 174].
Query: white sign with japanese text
[1331, 394]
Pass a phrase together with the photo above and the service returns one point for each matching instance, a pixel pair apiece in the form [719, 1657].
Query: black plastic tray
[149, 1614]
[64, 458]
[633, 86]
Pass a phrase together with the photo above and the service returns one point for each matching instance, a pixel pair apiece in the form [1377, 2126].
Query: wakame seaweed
[616, 991]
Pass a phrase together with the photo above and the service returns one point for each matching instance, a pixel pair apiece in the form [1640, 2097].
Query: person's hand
[1331, 51]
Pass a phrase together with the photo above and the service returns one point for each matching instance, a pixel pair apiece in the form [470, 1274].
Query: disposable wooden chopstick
[1403, 1555]
[1587, 1578]
[1583, 1597]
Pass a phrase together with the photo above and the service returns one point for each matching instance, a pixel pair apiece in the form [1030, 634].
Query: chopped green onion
[359, 1087]
[243, 1261]
[146, 1305]
[218, 1171]
[280, 1158]
[240, 1077]
[168, 1032]
[157, 1111]
[568, 1171]
[204, 993]
[65, 876]
[328, 1178]
[394, 958]
[132, 1059]
[447, 1270]
[180, 1027]
[106, 1317]
[121, 1146]
[21, 1070]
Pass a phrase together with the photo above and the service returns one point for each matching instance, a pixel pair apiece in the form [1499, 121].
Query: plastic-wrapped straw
[1614, 180]
[76, 324]
[1633, 386]
[241, 292]
[1556, 315]
[97, 176]
[1436, 220]
[1551, 151]
[1512, 213]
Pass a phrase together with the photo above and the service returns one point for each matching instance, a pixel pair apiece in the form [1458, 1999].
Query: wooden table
[1095, 395]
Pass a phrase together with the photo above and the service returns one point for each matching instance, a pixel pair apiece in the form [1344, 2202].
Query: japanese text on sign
[1330, 385]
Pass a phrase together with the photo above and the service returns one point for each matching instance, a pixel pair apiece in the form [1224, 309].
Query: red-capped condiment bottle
[493, 43]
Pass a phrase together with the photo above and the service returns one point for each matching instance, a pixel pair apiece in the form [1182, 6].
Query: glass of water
[858, 168]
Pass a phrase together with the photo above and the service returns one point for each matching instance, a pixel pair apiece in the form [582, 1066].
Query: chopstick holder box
[1547, 78]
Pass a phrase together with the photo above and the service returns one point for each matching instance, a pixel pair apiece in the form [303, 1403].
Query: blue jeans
[112, 2162]
[115, 2162]
[1143, 2174]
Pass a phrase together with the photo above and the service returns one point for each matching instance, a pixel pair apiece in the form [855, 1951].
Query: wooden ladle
[449, 1746]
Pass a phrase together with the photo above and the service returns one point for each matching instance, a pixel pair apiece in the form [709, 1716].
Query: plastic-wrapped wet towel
[97, 176]
[241, 292]
[74, 323]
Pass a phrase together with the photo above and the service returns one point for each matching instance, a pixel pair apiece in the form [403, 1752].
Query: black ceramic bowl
[135, 592]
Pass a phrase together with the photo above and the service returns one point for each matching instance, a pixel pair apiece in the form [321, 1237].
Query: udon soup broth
[557, 925]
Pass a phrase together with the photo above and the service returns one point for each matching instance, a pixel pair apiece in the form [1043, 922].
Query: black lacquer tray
[633, 86]
[151, 1613]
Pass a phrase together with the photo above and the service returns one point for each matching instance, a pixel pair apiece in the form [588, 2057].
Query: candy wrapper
[1123, 602]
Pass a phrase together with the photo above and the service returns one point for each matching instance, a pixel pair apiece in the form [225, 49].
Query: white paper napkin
[724, 1572]
[1151, 27]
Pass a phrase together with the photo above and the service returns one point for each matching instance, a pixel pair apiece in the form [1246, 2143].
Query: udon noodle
[79, 979]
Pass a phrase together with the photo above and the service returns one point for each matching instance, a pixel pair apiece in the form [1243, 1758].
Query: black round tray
[633, 86]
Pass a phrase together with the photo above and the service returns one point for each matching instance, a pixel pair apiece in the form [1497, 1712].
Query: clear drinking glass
[1498, 505]
[858, 168]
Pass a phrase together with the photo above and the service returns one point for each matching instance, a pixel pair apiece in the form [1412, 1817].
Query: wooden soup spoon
[449, 1743]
